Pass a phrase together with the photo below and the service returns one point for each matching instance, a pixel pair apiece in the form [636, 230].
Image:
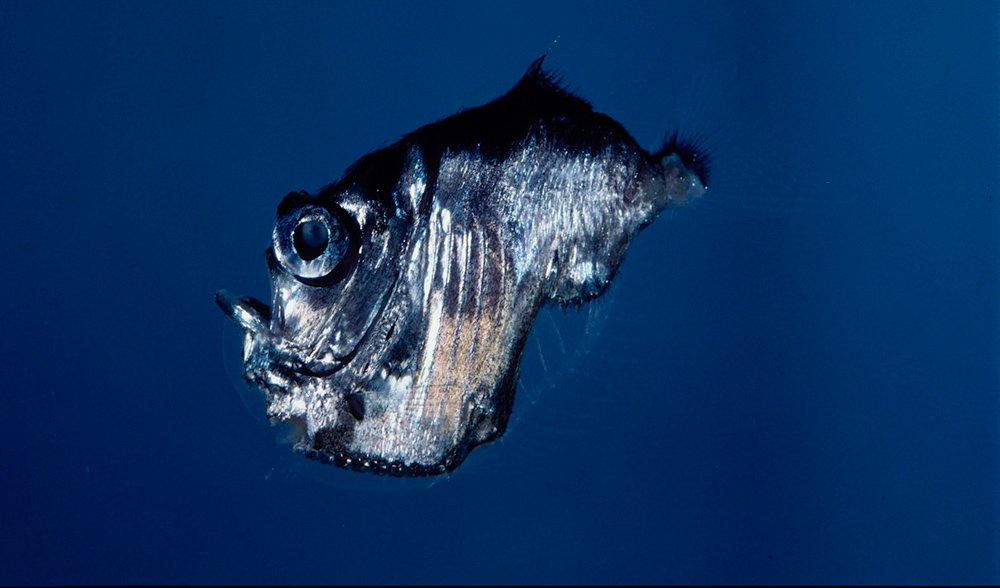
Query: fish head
[333, 263]
[346, 350]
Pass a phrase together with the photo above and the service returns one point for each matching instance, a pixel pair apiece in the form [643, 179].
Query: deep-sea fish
[402, 293]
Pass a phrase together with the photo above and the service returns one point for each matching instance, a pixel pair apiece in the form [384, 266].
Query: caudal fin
[685, 166]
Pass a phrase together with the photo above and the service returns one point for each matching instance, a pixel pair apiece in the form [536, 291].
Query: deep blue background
[796, 379]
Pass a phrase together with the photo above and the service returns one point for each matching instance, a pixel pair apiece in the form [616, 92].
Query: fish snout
[246, 311]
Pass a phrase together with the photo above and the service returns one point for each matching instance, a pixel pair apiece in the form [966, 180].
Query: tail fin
[691, 151]
[686, 167]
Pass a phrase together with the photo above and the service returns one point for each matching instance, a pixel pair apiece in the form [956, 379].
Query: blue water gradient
[796, 379]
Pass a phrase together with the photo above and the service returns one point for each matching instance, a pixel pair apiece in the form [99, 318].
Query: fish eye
[314, 243]
[311, 238]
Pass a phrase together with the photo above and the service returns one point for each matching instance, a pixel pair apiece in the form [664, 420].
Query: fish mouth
[246, 311]
[254, 317]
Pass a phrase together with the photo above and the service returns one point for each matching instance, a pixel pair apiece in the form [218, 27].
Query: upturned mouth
[248, 312]
[254, 317]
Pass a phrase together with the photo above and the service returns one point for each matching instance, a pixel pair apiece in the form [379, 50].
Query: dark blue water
[796, 380]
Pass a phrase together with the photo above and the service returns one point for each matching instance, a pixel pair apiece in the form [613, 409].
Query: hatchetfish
[402, 293]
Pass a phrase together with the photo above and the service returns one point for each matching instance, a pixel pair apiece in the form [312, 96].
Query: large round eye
[315, 243]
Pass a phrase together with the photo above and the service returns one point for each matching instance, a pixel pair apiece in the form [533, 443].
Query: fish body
[402, 293]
